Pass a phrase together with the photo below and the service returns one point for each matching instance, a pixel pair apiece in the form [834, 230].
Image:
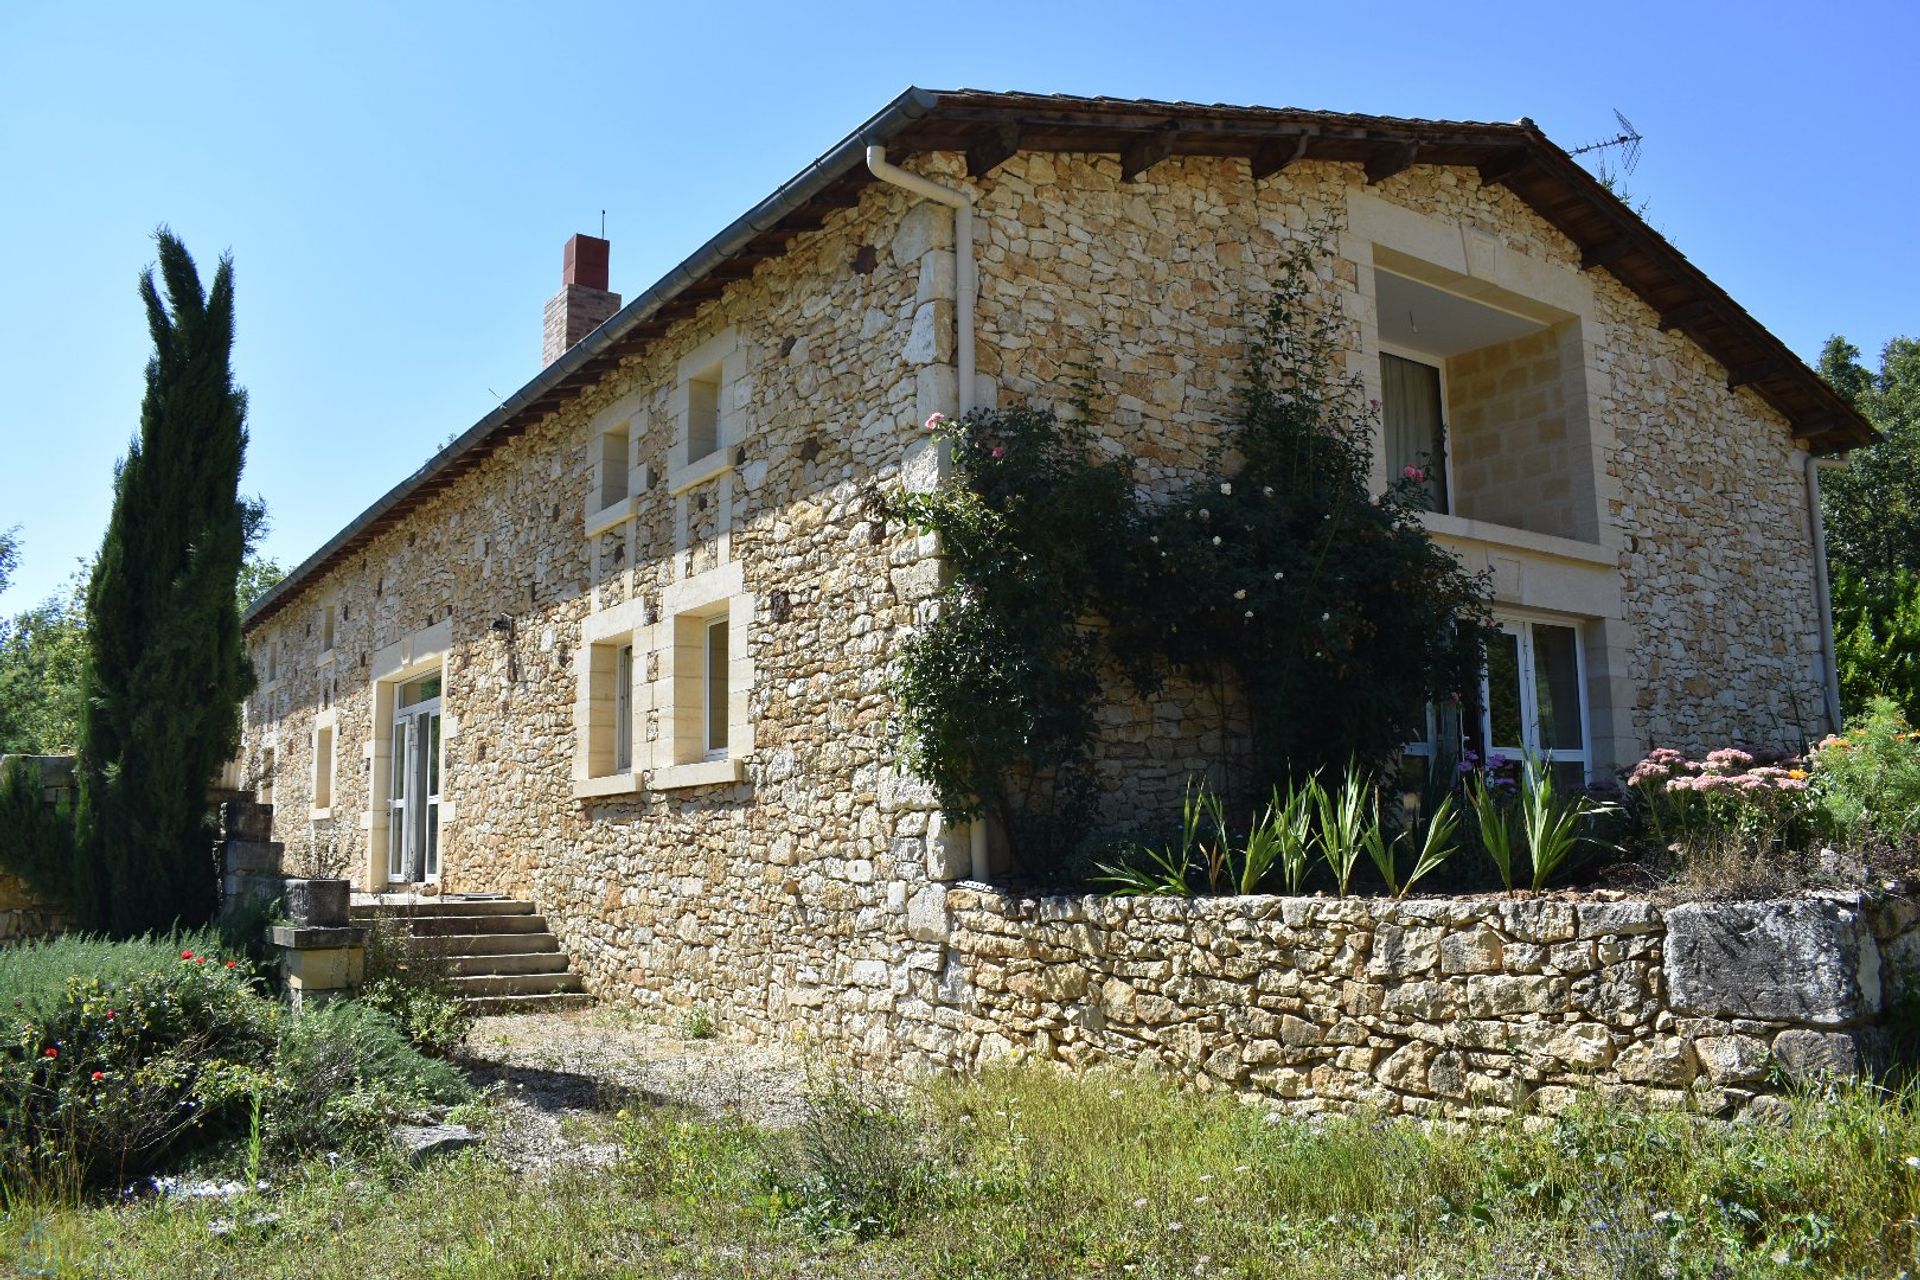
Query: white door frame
[1519, 623]
[413, 789]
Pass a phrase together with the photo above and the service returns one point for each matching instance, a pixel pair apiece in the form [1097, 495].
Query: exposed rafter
[991, 147]
[1751, 373]
[1506, 167]
[1271, 157]
[1687, 314]
[1606, 251]
[1147, 150]
[1391, 159]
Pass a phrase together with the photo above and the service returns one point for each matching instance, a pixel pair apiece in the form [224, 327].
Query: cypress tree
[165, 669]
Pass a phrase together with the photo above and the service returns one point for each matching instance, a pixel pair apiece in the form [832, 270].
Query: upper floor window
[703, 413]
[1413, 422]
[327, 627]
[616, 448]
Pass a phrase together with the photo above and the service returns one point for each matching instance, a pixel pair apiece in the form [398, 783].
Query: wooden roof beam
[991, 148]
[1276, 154]
[1506, 167]
[1391, 159]
[1148, 150]
[1686, 315]
[1751, 373]
[1605, 252]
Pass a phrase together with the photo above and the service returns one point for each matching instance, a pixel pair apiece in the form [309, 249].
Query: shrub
[1753, 800]
[411, 982]
[864, 1166]
[344, 1073]
[107, 1071]
[1868, 782]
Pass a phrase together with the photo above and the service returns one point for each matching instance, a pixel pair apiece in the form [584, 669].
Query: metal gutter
[847, 154]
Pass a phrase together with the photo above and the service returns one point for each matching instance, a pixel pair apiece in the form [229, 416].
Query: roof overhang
[991, 127]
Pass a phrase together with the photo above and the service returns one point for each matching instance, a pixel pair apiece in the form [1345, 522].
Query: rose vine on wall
[1327, 614]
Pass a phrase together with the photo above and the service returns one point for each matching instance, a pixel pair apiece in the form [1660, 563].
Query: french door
[1532, 697]
[413, 794]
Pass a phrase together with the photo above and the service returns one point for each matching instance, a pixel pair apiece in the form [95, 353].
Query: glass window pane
[419, 690]
[433, 755]
[399, 761]
[1568, 776]
[717, 686]
[1556, 684]
[433, 841]
[1503, 691]
[1412, 423]
[623, 709]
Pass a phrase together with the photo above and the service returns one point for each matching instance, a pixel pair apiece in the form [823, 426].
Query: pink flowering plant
[1756, 799]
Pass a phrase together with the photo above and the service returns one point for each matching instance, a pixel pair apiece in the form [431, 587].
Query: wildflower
[1249, 614]
[1277, 576]
[1176, 1226]
[934, 421]
[109, 1015]
[1205, 514]
[199, 959]
[1226, 490]
[1913, 1162]
[1154, 539]
[98, 1076]
[999, 451]
[1216, 539]
[1141, 1203]
[231, 963]
[52, 1052]
[1241, 594]
[1267, 491]
[1413, 473]
[1326, 617]
[186, 955]
[1114, 1093]
[1200, 1199]
[1243, 1168]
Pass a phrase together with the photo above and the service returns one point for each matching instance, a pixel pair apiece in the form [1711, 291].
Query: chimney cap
[585, 262]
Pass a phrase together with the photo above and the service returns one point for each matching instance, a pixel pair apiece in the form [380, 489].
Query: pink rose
[999, 451]
[934, 421]
[1413, 473]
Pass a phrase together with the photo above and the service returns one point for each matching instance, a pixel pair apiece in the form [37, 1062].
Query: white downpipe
[1823, 590]
[965, 287]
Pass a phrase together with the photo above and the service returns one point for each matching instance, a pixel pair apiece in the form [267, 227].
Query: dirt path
[561, 1078]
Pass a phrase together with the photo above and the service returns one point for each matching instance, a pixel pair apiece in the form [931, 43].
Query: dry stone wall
[1468, 1008]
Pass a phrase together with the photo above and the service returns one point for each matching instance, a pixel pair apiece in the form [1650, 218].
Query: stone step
[434, 907]
[515, 984]
[495, 965]
[440, 926]
[555, 1002]
[490, 944]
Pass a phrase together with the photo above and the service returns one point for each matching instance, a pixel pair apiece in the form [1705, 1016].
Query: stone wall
[1518, 448]
[22, 916]
[1455, 1007]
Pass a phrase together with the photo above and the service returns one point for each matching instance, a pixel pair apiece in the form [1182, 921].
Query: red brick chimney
[583, 302]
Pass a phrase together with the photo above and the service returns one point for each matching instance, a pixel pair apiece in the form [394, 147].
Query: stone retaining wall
[1445, 1007]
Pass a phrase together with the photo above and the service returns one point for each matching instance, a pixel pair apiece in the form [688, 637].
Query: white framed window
[616, 449]
[323, 766]
[1531, 702]
[703, 413]
[1413, 422]
[623, 709]
[718, 655]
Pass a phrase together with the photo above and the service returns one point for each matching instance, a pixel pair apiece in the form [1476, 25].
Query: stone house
[621, 648]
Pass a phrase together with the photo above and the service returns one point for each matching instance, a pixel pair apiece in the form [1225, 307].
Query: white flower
[1176, 1226]
[1200, 1199]
[1216, 539]
[1141, 1203]
[1226, 490]
[1243, 1168]
[1268, 491]
[1913, 1162]
[1325, 617]
[1114, 1093]
[1241, 594]
[1206, 1177]
[1278, 576]
[1154, 539]
[1249, 613]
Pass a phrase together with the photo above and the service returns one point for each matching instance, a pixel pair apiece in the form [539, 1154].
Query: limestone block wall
[24, 917]
[1440, 1007]
[1517, 421]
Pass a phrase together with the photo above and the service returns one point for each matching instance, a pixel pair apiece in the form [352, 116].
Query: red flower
[230, 964]
[186, 955]
[98, 1076]
[199, 959]
[109, 1015]
[52, 1052]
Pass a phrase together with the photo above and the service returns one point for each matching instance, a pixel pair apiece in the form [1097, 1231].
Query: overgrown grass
[1027, 1173]
[34, 976]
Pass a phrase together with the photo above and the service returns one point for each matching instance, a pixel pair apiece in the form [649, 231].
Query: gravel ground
[560, 1078]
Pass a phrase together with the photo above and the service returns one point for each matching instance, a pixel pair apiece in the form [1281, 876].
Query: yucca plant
[1342, 818]
[1493, 820]
[1553, 826]
[1168, 872]
[1437, 842]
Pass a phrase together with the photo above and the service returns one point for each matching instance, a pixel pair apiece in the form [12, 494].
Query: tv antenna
[1626, 142]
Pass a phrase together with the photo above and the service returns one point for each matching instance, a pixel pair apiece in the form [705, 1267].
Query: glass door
[1531, 703]
[413, 804]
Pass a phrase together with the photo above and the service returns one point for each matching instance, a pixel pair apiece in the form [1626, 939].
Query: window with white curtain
[1412, 420]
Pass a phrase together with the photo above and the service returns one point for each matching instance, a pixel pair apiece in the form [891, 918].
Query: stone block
[251, 855]
[1806, 961]
[318, 903]
[1731, 1059]
[1662, 1060]
[928, 919]
[1617, 919]
[324, 968]
[1403, 951]
[1818, 1055]
[421, 1143]
[246, 820]
[1496, 996]
[1475, 952]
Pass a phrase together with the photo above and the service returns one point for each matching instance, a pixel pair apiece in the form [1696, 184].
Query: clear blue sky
[395, 181]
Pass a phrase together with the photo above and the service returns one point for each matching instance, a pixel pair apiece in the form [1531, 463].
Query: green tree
[41, 652]
[9, 554]
[166, 670]
[1872, 512]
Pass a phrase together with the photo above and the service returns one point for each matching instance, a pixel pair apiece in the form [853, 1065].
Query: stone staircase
[503, 957]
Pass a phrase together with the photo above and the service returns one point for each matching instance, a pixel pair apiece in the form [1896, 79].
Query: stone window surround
[666, 759]
[1464, 261]
[626, 417]
[325, 772]
[420, 654]
[726, 351]
[328, 630]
